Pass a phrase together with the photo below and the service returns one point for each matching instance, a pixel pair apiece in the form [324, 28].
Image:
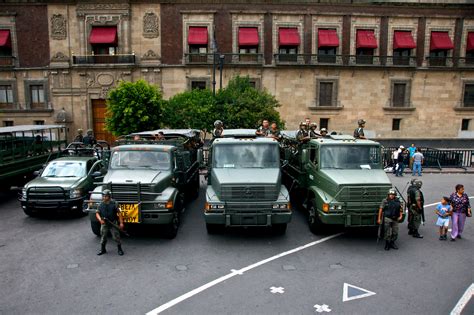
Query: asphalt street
[50, 266]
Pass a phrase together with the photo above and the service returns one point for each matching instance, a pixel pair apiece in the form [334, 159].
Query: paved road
[49, 266]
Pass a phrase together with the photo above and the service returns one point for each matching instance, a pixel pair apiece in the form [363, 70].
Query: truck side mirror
[304, 156]
[36, 173]
[200, 156]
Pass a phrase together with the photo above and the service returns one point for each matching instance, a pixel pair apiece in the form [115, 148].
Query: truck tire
[315, 224]
[171, 230]
[279, 229]
[214, 228]
[95, 226]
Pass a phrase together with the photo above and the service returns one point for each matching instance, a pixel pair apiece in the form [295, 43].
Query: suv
[340, 179]
[244, 183]
[151, 178]
[65, 182]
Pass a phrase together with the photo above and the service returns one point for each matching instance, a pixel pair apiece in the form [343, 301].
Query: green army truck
[244, 183]
[151, 177]
[339, 179]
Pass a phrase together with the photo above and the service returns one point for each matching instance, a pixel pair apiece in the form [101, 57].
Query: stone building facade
[408, 69]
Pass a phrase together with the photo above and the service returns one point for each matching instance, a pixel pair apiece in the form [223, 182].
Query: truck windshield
[140, 159]
[350, 157]
[64, 169]
[246, 156]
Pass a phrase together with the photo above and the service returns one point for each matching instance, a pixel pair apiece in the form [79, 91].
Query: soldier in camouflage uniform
[390, 213]
[416, 205]
[107, 214]
[409, 192]
[303, 134]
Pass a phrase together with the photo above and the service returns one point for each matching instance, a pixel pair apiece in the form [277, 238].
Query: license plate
[129, 212]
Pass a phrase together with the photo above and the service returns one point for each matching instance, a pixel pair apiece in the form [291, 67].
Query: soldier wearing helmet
[390, 213]
[303, 134]
[89, 139]
[108, 213]
[312, 131]
[359, 131]
[324, 133]
[264, 129]
[79, 137]
[416, 208]
[218, 129]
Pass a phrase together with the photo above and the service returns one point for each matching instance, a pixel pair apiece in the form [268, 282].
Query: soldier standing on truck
[218, 129]
[264, 129]
[416, 208]
[312, 131]
[107, 214]
[324, 133]
[89, 139]
[390, 213]
[359, 131]
[303, 135]
[275, 132]
[79, 137]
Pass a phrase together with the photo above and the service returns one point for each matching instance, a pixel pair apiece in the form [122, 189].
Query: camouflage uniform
[391, 218]
[415, 213]
[263, 132]
[110, 211]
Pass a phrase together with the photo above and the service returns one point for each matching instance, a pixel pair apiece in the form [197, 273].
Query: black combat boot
[102, 250]
[393, 245]
[119, 250]
[416, 234]
[387, 245]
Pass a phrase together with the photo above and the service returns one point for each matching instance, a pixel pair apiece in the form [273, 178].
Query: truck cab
[244, 183]
[339, 179]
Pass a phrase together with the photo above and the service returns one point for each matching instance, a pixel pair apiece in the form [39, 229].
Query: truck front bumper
[146, 217]
[52, 204]
[247, 219]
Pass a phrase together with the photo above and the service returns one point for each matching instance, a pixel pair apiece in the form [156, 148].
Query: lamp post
[221, 67]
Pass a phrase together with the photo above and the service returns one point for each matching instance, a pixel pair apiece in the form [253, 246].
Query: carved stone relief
[103, 19]
[150, 55]
[59, 56]
[150, 25]
[58, 27]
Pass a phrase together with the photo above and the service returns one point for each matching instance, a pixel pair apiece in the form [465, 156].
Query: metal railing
[439, 61]
[345, 60]
[104, 59]
[208, 58]
[6, 61]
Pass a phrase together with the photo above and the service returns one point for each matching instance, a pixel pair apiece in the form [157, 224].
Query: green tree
[133, 107]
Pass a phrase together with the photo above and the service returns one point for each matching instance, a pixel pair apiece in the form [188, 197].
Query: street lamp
[221, 67]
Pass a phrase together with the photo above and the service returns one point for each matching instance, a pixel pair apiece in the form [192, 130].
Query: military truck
[25, 149]
[151, 177]
[244, 183]
[64, 183]
[338, 179]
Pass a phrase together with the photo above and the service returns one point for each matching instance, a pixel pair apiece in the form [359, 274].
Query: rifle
[423, 214]
[107, 221]
[381, 230]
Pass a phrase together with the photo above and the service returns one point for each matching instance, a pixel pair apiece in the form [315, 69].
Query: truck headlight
[23, 193]
[210, 207]
[75, 193]
[164, 205]
[282, 206]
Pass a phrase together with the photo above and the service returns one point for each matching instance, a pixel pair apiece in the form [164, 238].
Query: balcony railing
[238, 59]
[465, 62]
[6, 61]
[344, 60]
[104, 59]
[439, 61]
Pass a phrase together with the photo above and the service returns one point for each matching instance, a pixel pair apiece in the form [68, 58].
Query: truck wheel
[315, 224]
[279, 229]
[30, 212]
[95, 226]
[171, 230]
[214, 228]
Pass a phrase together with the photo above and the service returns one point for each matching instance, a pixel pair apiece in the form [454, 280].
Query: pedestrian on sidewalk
[412, 150]
[418, 160]
[461, 210]
[443, 210]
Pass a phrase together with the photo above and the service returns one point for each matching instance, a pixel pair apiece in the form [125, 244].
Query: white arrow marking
[322, 308]
[280, 290]
[357, 293]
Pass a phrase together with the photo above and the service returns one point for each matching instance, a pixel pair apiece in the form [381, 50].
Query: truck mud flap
[248, 220]
[355, 220]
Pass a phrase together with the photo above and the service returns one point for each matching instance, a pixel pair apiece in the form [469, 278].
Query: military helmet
[106, 192]
[217, 123]
[315, 125]
[361, 121]
[302, 123]
[79, 131]
[324, 130]
[418, 183]
[89, 131]
[392, 191]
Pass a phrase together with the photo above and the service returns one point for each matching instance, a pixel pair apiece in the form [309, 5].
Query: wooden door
[98, 120]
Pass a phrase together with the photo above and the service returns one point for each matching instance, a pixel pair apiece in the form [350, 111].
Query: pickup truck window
[64, 169]
[246, 156]
[350, 157]
[140, 159]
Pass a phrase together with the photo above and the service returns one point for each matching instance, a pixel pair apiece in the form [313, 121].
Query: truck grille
[48, 193]
[363, 193]
[245, 193]
[129, 192]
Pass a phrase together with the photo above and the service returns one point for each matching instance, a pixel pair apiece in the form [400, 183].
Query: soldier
[274, 132]
[79, 137]
[218, 129]
[390, 213]
[416, 209]
[409, 192]
[312, 131]
[324, 133]
[303, 135]
[108, 214]
[89, 139]
[359, 132]
[264, 129]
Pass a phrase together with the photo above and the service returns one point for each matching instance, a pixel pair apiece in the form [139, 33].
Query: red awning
[103, 35]
[289, 37]
[403, 40]
[197, 35]
[327, 38]
[366, 39]
[440, 41]
[248, 36]
[470, 41]
[5, 40]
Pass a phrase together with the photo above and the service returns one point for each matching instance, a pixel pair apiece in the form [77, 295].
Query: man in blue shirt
[412, 151]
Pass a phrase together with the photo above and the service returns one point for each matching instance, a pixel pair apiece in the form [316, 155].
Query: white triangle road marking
[346, 297]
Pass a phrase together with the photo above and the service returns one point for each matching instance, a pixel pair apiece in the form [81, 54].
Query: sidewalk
[447, 170]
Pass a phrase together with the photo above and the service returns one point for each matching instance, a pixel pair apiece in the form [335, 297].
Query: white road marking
[280, 290]
[345, 293]
[322, 308]
[208, 285]
[457, 310]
